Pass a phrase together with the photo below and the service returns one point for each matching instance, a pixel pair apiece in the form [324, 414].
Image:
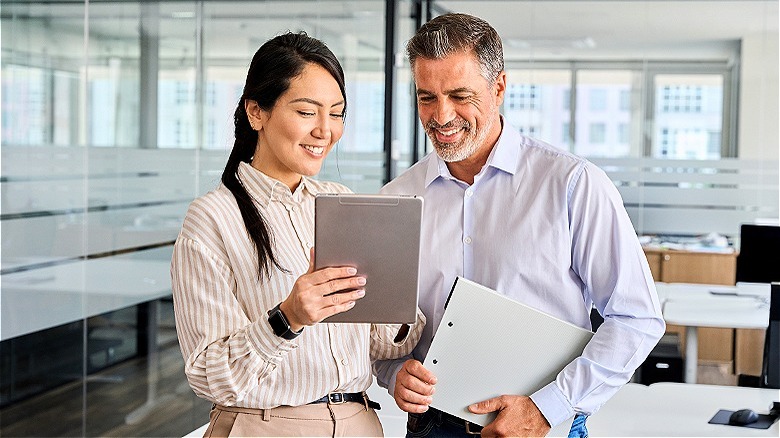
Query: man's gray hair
[450, 33]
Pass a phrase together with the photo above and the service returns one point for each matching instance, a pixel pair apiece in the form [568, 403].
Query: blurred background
[116, 114]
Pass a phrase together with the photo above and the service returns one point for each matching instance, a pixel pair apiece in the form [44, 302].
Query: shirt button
[344, 361]
[469, 192]
[467, 240]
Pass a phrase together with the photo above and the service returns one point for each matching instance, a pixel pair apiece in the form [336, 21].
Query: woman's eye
[306, 113]
[337, 115]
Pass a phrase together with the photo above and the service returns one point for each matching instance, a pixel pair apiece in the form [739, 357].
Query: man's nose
[444, 112]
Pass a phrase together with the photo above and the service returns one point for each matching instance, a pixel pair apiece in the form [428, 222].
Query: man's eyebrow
[458, 90]
[315, 102]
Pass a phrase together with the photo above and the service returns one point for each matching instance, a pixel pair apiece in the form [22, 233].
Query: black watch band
[280, 325]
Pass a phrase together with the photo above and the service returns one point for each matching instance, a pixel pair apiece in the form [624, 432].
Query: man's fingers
[416, 369]
[485, 406]
[410, 401]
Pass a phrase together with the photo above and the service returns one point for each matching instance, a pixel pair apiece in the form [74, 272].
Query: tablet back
[380, 236]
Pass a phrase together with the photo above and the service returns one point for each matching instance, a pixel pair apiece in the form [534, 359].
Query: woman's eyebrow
[315, 102]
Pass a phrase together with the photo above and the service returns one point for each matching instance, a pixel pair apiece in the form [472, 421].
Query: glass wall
[116, 114]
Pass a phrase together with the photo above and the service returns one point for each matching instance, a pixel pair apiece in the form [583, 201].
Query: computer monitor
[759, 254]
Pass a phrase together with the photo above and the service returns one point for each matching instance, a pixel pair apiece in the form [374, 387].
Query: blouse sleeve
[226, 355]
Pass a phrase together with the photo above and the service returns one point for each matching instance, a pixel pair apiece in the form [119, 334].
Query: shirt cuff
[553, 404]
[391, 384]
[264, 341]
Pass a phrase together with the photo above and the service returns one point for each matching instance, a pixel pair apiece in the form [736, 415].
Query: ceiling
[531, 29]
[622, 29]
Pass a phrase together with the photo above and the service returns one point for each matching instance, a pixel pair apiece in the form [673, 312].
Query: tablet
[380, 236]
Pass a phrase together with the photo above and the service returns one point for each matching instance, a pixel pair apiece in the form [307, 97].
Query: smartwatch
[280, 325]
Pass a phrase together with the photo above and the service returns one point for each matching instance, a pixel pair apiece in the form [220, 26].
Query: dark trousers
[437, 424]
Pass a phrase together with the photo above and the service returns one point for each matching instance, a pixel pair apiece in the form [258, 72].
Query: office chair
[770, 364]
[758, 260]
[770, 369]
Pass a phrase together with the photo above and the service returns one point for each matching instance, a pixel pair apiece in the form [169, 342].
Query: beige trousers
[315, 420]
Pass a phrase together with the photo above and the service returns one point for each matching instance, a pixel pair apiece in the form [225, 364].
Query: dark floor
[113, 402]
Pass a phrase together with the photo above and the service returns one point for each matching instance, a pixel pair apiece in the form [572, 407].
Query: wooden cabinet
[672, 266]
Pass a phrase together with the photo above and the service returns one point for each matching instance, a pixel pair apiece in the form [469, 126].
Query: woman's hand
[319, 294]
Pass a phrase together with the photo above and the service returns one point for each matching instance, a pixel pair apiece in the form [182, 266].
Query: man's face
[457, 107]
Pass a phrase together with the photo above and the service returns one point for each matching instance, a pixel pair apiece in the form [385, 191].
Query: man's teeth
[449, 132]
[315, 149]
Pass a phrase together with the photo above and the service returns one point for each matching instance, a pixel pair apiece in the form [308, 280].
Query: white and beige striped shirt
[232, 356]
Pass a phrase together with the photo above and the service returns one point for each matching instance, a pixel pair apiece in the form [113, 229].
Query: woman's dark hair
[274, 65]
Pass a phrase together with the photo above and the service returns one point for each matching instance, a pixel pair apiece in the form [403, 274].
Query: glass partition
[116, 114]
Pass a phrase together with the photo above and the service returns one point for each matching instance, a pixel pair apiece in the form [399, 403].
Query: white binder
[488, 345]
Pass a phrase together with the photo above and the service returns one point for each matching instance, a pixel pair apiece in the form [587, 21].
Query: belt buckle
[469, 431]
[336, 398]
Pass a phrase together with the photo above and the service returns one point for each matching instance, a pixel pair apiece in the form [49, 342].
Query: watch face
[280, 325]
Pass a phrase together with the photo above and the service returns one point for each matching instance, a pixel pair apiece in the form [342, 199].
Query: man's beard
[465, 147]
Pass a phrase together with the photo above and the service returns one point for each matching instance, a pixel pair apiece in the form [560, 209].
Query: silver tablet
[380, 236]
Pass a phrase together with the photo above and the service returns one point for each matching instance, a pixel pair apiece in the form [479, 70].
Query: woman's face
[296, 135]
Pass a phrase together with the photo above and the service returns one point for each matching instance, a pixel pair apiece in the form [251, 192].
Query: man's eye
[337, 115]
[424, 99]
[460, 98]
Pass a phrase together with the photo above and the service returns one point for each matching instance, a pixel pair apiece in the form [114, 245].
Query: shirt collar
[503, 156]
[264, 189]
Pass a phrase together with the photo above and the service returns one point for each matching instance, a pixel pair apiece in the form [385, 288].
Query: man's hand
[414, 387]
[518, 416]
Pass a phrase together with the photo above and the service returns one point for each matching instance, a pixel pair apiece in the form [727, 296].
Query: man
[535, 223]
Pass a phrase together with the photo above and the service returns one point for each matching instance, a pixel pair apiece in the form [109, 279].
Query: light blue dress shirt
[546, 228]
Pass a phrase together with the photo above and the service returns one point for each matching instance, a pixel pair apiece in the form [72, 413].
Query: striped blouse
[232, 356]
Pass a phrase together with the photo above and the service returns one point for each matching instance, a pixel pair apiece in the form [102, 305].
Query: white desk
[47, 297]
[676, 409]
[694, 306]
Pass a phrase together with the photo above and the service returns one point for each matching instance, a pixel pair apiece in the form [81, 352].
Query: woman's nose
[322, 128]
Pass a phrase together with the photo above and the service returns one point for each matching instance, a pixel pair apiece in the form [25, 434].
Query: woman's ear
[255, 114]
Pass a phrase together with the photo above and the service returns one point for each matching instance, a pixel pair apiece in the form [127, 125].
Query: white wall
[758, 100]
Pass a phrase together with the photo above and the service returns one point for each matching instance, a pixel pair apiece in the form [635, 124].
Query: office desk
[47, 297]
[676, 409]
[694, 306]
[42, 298]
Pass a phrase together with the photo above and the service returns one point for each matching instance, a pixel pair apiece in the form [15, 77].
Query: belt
[471, 428]
[337, 398]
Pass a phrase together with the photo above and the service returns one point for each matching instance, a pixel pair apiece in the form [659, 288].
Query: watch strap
[280, 325]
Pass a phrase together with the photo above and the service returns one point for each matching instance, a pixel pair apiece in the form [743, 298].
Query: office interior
[116, 114]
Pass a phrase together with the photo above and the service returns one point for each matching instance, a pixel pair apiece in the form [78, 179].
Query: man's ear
[255, 114]
[499, 87]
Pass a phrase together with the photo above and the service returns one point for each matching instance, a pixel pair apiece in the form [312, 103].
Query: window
[688, 116]
[598, 99]
[598, 133]
[595, 117]
[536, 103]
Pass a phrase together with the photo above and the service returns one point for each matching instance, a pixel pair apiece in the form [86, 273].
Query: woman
[247, 300]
